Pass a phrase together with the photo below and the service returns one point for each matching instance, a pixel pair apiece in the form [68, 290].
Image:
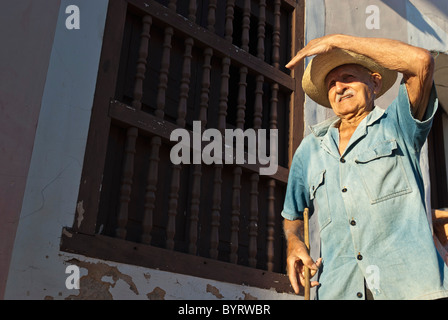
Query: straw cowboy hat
[313, 81]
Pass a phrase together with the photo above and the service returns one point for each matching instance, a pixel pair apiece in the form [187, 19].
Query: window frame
[82, 238]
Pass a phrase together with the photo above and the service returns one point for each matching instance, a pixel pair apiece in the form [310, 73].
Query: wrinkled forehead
[356, 69]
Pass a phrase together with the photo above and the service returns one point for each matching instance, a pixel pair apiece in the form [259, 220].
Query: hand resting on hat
[416, 64]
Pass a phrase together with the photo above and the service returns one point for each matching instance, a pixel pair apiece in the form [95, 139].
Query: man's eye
[349, 77]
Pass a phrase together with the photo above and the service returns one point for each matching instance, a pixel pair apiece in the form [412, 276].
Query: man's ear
[377, 82]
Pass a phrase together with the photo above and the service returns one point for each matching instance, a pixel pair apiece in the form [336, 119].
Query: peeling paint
[157, 294]
[98, 281]
[80, 210]
[214, 291]
[248, 296]
[65, 233]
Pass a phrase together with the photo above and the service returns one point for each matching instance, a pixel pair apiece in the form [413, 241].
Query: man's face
[352, 89]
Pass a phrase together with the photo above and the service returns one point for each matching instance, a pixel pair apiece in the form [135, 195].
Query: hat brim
[313, 81]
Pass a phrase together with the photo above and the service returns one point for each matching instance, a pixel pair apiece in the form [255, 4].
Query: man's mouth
[347, 96]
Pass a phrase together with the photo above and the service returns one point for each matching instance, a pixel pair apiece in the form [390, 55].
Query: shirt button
[359, 256]
[344, 190]
[359, 295]
[342, 160]
[353, 222]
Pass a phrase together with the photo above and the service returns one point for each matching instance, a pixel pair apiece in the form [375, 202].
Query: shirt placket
[354, 219]
[356, 222]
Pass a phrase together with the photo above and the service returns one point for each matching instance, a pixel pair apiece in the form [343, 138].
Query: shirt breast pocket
[318, 194]
[382, 172]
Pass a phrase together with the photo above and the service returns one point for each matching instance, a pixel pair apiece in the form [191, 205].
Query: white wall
[36, 267]
[26, 34]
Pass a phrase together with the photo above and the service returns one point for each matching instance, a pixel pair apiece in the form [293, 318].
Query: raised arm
[416, 64]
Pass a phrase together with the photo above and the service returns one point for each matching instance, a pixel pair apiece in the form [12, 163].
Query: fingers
[296, 273]
[300, 55]
[293, 272]
[294, 61]
[294, 282]
[308, 262]
[314, 47]
[314, 271]
[318, 265]
[297, 258]
[314, 268]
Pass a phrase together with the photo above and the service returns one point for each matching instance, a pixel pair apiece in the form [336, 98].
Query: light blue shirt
[370, 203]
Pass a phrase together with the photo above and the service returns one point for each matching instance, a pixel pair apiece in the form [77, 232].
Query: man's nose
[340, 87]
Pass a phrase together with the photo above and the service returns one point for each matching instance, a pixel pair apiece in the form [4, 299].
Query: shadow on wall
[414, 16]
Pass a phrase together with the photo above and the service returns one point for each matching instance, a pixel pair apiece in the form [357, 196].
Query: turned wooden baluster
[172, 5]
[172, 206]
[273, 125]
[241, 107]
[211, 16]
[192, 8]
[253, 219]
[261, 29]
[271, 183]
[258, 113]
[208, 52]
[180, 121]
[216, 212]
[237, 172]
[164, 72]
[156, 141]
[126, 182]
[217, 180]
[236, 211]
[185, 83]
[151, 188]
[176, 169]
[245, 26]
[132, 132]
[197, 168]
[276, 35]
[229, 20]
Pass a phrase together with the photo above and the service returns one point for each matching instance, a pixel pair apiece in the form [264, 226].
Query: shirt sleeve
[296, 198]
[415, 131]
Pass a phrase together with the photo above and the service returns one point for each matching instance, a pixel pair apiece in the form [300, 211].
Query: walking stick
[307, 243]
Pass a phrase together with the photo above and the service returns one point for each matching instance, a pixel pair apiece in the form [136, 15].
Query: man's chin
[344, 107]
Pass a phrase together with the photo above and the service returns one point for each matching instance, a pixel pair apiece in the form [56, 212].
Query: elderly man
[359, 171]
